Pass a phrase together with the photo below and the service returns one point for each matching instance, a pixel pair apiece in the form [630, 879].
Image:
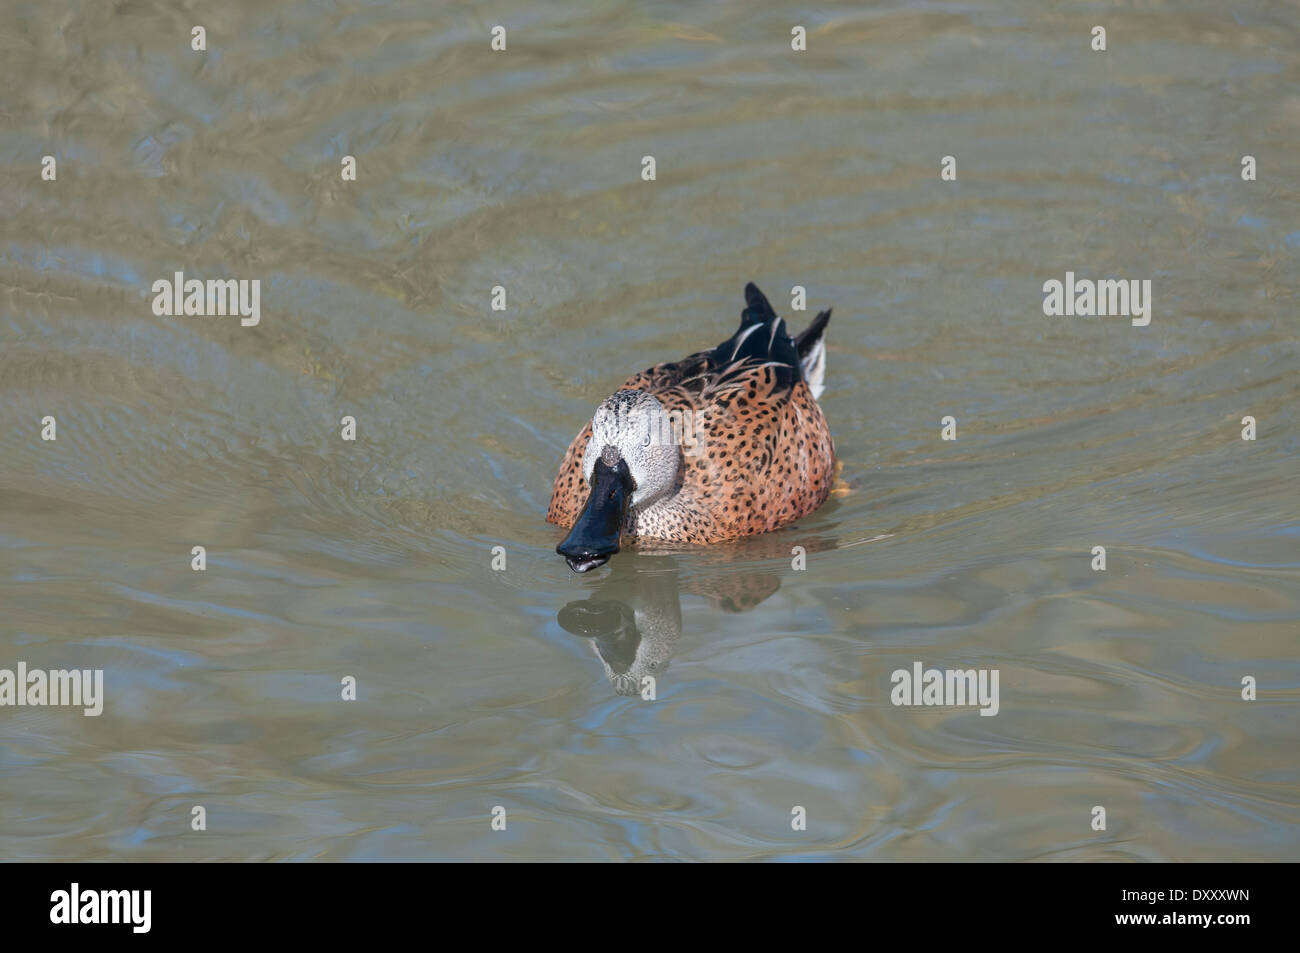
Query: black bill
[594, 538]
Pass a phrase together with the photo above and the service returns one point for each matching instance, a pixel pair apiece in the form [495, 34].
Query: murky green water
[522, 169]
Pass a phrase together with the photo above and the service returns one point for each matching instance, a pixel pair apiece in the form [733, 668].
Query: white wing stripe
[741, 340]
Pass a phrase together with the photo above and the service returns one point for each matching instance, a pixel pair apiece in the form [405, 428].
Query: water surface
[518, 688]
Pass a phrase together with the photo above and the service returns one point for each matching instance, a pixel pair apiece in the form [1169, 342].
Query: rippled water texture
[372, 559]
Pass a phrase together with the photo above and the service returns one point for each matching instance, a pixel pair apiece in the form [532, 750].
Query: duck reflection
[633, 616]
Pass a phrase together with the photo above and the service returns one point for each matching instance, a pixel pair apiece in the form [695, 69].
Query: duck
[725, 443]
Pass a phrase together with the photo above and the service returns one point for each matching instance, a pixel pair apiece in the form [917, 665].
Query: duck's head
[632, 460]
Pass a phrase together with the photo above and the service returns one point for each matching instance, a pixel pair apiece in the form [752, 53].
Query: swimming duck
[722, 444]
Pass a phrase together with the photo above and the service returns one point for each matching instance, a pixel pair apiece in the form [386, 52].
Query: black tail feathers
[763, 336]
[807, 338]
[757, 310]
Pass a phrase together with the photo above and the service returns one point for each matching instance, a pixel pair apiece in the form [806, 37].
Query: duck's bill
[594, 538]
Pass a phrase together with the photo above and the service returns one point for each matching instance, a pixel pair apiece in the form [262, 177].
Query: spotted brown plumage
[752, 449]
